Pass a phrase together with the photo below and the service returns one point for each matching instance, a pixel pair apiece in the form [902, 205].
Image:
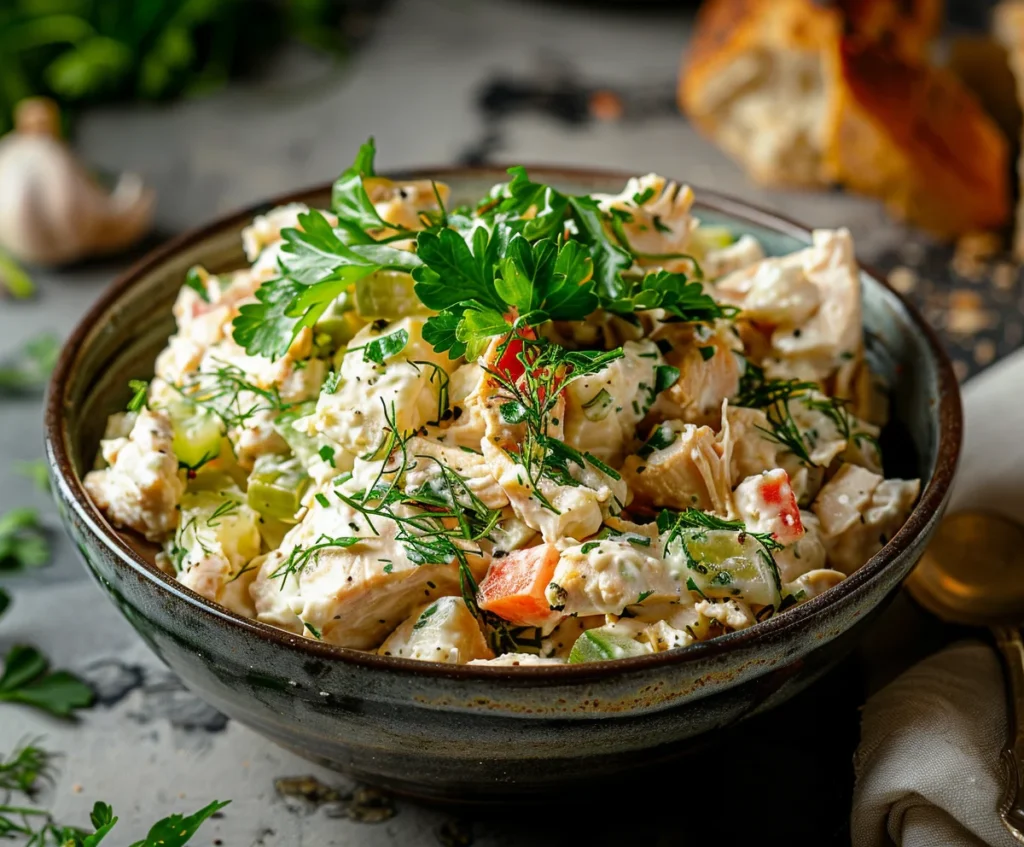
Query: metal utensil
[973, 573]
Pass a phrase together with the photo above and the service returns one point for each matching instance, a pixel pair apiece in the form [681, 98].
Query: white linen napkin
[928, 772]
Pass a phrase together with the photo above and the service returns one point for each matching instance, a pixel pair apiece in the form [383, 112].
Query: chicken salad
[537, 429]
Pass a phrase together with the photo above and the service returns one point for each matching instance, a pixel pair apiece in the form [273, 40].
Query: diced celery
[210, 480]
[603, 643]
[272, 531]
[707, 238]
[276, 487]
[724, 563]
[305, 448]
[339, 322]
[388, 295]
[198, 434]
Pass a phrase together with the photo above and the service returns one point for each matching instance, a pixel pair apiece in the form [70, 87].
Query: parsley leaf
[683, 299]
[177, 830]
[452, 274]
[28, 370]
[440, 332]
[477, 328]
[27, 679]
[36, 470]
[609, 259]
[194, 279]
[23, 541]
[349, 198]
[383, 347]
[523, 196]
[317, 267]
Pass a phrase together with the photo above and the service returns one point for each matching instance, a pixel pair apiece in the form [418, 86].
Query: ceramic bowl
[480, 732]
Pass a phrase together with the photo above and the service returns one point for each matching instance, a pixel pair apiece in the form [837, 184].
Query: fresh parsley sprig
[21, 774]
[23, 541]
[27, 679]
[27, 371]
[529, 254]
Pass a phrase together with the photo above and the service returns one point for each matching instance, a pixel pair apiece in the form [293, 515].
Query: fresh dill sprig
[774, 396]
[227, 393]
[532, 398]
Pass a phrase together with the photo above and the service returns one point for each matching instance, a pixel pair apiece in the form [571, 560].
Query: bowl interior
[120, 339]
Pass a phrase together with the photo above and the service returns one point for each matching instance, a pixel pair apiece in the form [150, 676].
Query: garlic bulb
[52, 210]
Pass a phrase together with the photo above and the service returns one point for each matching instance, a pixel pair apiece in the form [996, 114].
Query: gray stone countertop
[417, 85]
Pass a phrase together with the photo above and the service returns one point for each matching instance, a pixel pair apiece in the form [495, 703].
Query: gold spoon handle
[1011, 646]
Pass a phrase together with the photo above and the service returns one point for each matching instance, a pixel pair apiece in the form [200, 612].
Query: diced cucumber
[603, 643]
[198, 434]
[388, 295]
[276, 487]
[724, 563]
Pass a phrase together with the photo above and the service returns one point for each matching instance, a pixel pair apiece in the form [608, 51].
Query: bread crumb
[974, 251]
[76, 788]
[984, 352]
[966, 314]
[903, 279]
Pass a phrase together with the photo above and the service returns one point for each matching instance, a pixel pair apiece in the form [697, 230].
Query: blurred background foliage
[83, 52]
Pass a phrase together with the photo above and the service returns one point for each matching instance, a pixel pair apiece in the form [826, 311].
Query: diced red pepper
[515, 585]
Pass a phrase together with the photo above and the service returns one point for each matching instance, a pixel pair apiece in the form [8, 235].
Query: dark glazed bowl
[480, 732]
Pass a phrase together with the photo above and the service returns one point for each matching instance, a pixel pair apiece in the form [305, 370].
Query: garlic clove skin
[52, 210]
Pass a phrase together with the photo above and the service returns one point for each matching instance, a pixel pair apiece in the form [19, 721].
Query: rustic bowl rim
[950, 430]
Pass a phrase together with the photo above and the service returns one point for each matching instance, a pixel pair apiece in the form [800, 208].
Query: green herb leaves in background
[23, 542]
[82, 52]
[28, 370]
[25, 770]
[27, 679]
[36, 470]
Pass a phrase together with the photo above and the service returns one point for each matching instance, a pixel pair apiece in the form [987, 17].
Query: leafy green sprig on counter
[529, 255]
[27, 679]
[23, 542]
[27, 371]
[24, 771]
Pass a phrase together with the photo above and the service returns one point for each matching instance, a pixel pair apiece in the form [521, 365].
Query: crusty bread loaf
[914, 136]
[1008, 27]
[755, 77]
[808, 93]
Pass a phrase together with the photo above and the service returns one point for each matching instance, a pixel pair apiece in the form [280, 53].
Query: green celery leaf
[58, 693]
[21, 665]
[385, 347]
